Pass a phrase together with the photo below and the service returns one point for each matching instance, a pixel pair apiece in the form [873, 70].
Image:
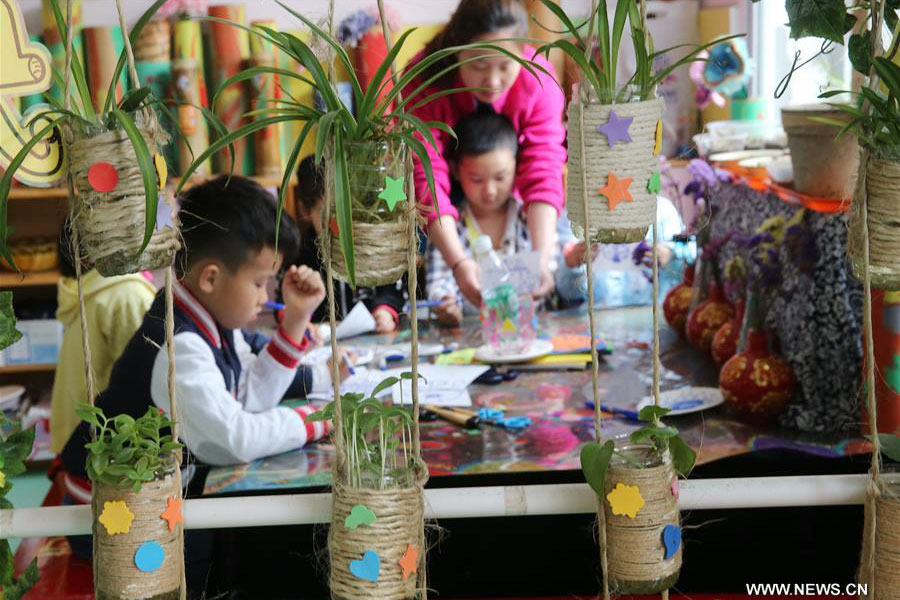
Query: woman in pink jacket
[534, 104]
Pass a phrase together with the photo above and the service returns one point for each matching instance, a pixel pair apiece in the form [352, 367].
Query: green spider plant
[599, 69]
[376, 437]
[387, 119]
[82, 116]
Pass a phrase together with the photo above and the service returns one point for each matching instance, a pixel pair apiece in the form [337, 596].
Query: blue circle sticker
[149, 557]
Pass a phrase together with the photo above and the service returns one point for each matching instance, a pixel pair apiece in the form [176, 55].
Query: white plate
[538, 349]
[686, 400]
[10, 396]
[364, 355]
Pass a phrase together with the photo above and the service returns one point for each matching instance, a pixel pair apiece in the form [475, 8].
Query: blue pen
[347, 362]
[273, 305]
[622, 412]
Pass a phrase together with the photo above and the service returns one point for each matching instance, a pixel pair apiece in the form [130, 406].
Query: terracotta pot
[707, 317]
[725, 341]
[678, 301]
[756, 383]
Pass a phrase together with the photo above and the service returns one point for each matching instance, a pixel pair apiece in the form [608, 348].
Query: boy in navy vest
[229, 382]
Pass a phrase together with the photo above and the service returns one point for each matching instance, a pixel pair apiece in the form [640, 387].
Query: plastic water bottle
[507, 317]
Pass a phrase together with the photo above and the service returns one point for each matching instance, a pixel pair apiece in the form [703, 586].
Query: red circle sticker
[103, 177]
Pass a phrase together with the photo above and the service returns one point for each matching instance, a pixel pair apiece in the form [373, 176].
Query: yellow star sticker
[393, 193]
[508, 326]
[116, 517]
[616, 190]
[625, 500]
[657, 145]
[162, 170]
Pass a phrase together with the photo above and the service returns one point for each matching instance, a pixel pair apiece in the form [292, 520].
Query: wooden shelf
[28, 369]
[17, 280]
[32, 193]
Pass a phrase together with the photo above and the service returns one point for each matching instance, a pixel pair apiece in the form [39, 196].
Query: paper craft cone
[102, 46]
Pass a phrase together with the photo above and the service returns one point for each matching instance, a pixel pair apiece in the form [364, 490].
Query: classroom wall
[103, 12]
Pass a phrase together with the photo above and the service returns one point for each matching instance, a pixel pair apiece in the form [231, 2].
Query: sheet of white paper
[525, 270]
[362, 382]
[357, 322]
[443, 385]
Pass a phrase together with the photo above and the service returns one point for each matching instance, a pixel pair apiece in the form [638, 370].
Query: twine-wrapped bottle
[626, 221]
[116, 573]
[380, 239]
[883, 193]
[111, 223]
[636, 551]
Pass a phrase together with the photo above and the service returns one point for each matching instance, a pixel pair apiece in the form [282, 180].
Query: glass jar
[508, 321]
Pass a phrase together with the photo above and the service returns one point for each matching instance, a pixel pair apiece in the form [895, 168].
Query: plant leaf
[148, 173]
[9, 335]
[652, 432]
[594, 463]
[650, 413]
[826, 19]
[890, 445]
[858, 49]
[683, 456]
[343, 208]
[385, 384]
[133, 98]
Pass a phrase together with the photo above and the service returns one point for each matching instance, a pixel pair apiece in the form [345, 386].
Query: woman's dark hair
[473, 19]
[227, 220]
[480, 132]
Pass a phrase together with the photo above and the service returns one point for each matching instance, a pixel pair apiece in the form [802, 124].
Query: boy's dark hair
[227, 221]
[310, 182]
[480, 132]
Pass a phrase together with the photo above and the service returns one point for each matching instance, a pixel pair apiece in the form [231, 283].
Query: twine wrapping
[115, 575]
[400, 517]
[886, 557]
[379, 252]
[883, 199]
[111, 225]
[635, 547]
[629, 221]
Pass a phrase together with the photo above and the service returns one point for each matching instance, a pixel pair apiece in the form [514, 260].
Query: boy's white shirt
[221, 427]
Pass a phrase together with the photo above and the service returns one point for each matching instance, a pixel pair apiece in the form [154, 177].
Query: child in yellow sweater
[114, 308]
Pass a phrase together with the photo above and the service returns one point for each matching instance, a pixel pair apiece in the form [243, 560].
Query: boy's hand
[303, 291]
[384, 320]
[449, 312]
[345, 365]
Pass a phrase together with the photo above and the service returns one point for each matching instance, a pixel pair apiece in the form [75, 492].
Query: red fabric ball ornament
[757, 384]
[707, 317]
[725, 341]
[678, 301]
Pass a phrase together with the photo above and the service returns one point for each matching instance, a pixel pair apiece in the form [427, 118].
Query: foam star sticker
[172, 514]
[655, 183]
[616, 190]
[116, 517]
[508, 326]
[410, 561]
[616, 129]
[657, 144]
[393, 193]
[625, 500]
[162, 170]
[2, 478]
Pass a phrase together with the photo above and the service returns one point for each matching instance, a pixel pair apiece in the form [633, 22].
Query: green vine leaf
[683, 456]
[594, 463]
[651, 413]
[9, 335]
[858, 48]
[890, 446]
[826, 19]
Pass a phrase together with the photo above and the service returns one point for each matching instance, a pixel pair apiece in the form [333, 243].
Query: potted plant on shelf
[614, 127]
[115, 167]
[368, 199]
[376, 540]
[138, 532]
[636, 481]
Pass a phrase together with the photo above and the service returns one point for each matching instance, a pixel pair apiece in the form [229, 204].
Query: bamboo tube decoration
[264, 89]
[189, 87]
[54, 42]
[102, 47]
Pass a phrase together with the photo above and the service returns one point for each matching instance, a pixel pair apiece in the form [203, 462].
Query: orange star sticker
[410, 561]
[616, 190]
[172, 514]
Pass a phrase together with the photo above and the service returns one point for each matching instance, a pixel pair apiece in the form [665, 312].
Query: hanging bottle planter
[643, 531]
[883, 200]
[138, 543]
[380, 212]
[110, 203]
[621, 142]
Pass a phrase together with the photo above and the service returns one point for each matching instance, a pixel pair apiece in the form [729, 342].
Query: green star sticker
[392, 192]
[654, 184]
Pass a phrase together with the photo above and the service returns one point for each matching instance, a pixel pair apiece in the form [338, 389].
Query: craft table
[555, 401]
[558, 555]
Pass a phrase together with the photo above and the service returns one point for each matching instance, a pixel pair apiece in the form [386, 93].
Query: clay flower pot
[678, 301]
[756, 383]
[707, 317]
[725, 341]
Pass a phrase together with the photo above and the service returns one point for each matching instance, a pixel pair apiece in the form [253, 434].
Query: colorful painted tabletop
[555, 401]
